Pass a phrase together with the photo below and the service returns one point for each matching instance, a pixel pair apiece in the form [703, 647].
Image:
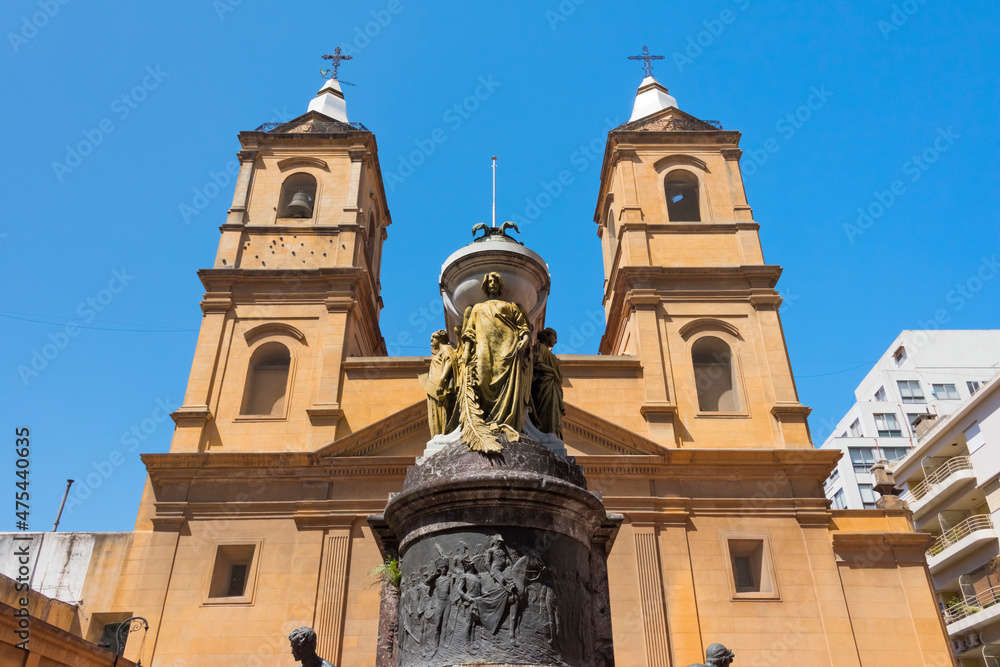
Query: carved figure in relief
[462, 600]
[717, 655]
[494, 369]
[410, 616]
[439, 383]
[546, 386]
[438, 585]
[469, 590]
[303, 641]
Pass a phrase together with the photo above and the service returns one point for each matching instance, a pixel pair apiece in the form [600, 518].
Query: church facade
[296, 426]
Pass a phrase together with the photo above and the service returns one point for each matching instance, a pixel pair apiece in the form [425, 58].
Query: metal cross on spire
[648, 65]
[336, 58]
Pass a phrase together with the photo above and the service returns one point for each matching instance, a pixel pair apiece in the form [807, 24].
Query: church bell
[300, 206]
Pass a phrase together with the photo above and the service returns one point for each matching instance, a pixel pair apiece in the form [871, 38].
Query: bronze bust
[304, 648]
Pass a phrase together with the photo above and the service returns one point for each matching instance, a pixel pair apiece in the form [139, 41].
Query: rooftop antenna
[55, 526]
[494, 190]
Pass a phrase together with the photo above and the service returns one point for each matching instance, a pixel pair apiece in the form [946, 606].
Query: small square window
[750, 566]
[867, 496]
[899, 356]
[910, 391]
[233, 573]
[839, 501]
[973, 386]
[880, 395]
[945, 392]
[862, 458]
[856, 429]
[887, 425]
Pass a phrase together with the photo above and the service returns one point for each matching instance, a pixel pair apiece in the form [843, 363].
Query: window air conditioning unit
[957, 646]
[972, 641]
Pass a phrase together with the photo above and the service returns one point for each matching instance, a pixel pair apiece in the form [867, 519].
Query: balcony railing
[964, 529]
[970, 606]
[946, 470]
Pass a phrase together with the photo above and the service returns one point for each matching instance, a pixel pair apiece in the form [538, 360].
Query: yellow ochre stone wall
[299, 487]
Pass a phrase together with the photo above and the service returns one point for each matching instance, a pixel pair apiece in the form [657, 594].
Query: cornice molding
[708, 324]
[302, 161]
[677, 159]
[273, 329]
[191, 415]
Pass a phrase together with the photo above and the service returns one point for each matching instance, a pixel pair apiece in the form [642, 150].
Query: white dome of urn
[525, 278]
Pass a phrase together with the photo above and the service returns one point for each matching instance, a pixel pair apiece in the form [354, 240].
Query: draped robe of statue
[495, 373]
[547, 392]
[439, 385]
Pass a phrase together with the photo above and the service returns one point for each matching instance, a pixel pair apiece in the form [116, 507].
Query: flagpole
[494, 190]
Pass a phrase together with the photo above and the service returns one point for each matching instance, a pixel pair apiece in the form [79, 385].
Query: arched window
[714, 375]
[682, 197]
[611, 221]
[298, 196]
[370, 242]
[267, 381]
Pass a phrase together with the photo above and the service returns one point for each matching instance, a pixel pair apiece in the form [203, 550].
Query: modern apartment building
[952, 481]
[923, 372]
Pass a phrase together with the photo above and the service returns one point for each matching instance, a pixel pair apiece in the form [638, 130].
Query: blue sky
[150, 97]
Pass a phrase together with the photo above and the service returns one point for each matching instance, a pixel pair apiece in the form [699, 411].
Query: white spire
[329, 101]
[650, 98]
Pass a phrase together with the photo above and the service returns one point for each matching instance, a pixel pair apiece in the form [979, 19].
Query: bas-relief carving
[513, 596]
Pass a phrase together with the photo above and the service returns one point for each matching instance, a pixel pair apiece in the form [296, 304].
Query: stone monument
[501, 548]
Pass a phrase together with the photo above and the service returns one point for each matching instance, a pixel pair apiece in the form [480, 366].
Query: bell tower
[686, 287]
[294, 289]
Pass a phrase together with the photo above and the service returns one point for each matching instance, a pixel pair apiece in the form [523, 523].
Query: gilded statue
[546, 386]
[439, 383]
[494, 369]
[303, 642]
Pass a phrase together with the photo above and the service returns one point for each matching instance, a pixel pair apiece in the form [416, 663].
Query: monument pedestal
[503, 560]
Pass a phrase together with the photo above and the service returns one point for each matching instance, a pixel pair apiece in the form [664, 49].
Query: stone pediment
[671, 119]
[405, 433]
